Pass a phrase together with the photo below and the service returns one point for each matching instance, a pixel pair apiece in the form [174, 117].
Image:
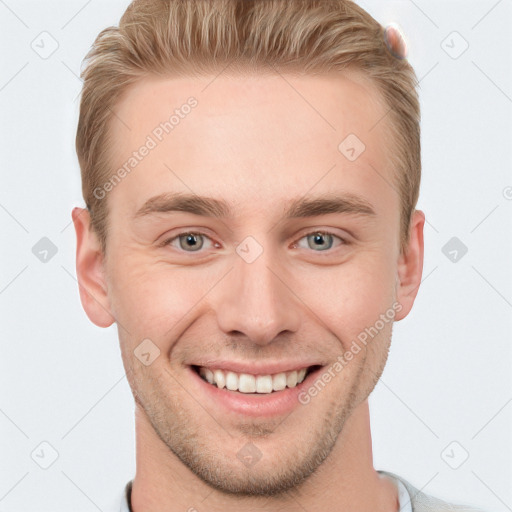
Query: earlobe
[90, 271]
[410, 266]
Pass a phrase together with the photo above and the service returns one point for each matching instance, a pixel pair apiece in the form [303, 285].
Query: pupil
[319, 239]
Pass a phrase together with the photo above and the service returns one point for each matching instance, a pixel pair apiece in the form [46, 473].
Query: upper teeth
[247, 383]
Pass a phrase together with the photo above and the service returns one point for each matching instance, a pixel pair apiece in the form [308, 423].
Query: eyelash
[343, 241]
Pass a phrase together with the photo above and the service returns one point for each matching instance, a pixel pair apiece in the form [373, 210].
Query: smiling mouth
[253, 384]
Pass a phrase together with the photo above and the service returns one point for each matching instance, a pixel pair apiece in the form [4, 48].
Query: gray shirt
[410, 499]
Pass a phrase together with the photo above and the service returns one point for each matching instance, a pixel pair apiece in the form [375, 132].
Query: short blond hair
[199, 37]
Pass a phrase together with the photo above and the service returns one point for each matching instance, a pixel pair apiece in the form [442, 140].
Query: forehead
[250, 137]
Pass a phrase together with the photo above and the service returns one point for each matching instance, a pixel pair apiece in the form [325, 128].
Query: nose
[257, 301]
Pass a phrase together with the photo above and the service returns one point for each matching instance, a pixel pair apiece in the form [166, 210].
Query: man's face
[255, 286]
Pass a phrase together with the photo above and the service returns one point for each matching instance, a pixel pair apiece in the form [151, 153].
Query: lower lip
[254, 404]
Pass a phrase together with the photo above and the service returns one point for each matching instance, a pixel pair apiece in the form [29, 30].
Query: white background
[448, 378]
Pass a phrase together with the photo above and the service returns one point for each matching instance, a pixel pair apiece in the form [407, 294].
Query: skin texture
[256, 142]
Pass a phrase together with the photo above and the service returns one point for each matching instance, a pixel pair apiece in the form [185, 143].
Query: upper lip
[257, 368]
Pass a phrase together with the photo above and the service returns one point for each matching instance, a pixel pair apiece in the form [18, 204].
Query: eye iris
[319, 238]
[190, 238]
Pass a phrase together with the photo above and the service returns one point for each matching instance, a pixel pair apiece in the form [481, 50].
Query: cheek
[351, 297]
[152, 300]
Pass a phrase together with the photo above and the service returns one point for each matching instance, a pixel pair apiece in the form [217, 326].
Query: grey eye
[319, 240]
[193, 241]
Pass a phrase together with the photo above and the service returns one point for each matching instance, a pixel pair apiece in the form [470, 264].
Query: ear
[410, 266]
[90, 271]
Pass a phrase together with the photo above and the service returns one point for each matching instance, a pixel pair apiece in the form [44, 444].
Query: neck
[345, 480]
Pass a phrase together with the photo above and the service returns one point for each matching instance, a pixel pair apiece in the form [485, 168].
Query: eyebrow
[297, 208]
